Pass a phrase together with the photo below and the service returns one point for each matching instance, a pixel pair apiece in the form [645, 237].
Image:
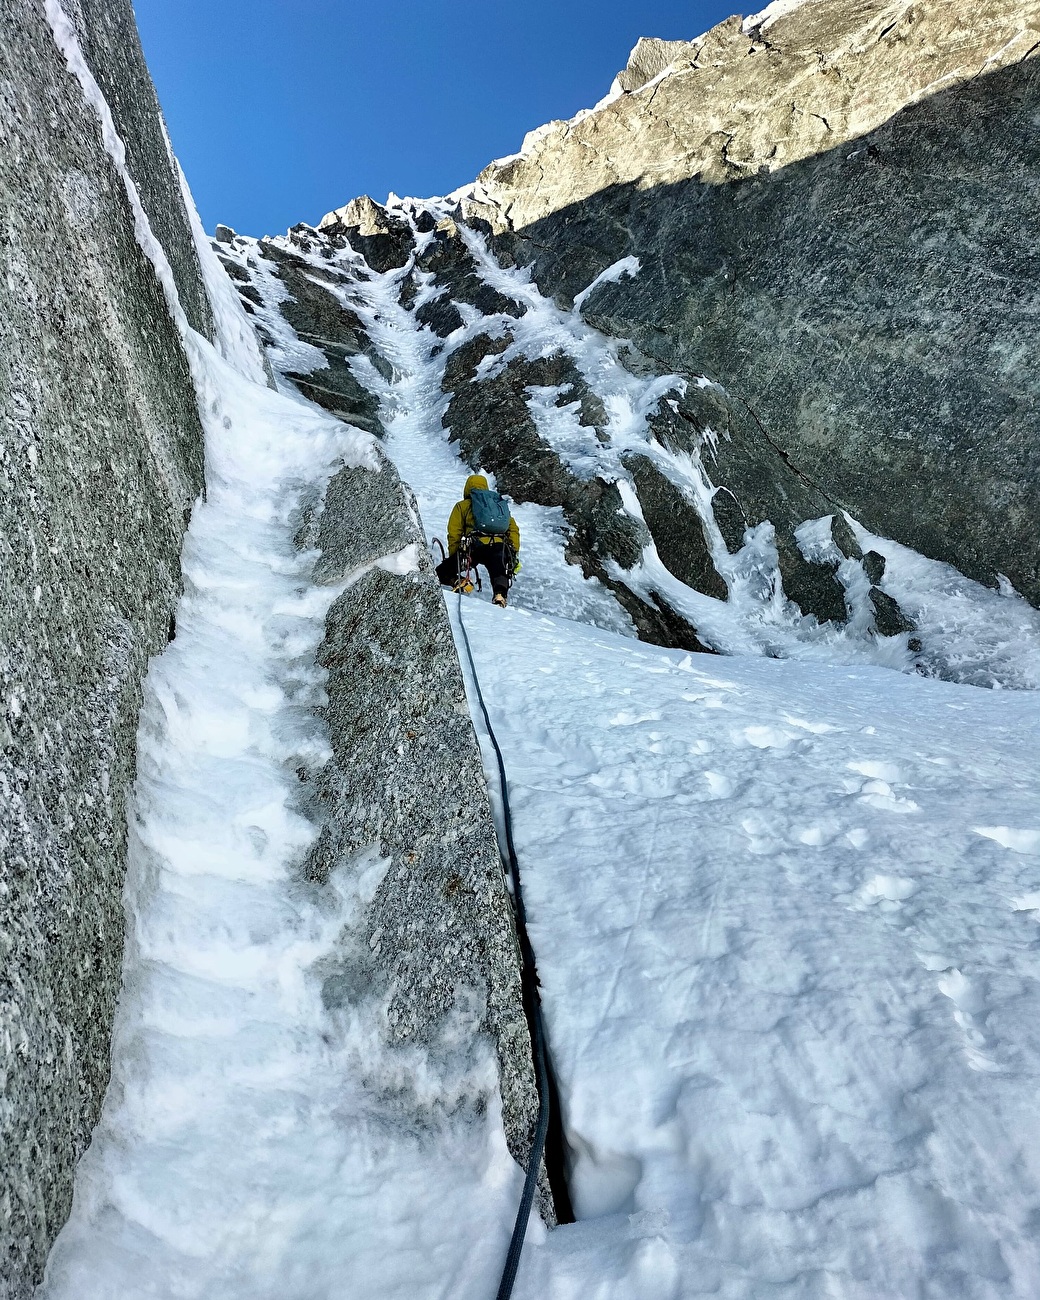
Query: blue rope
[532, 1002]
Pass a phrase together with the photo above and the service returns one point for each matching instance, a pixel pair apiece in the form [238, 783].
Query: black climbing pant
[494, 556]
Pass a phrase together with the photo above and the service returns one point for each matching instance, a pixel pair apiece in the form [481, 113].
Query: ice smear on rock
[969, 633]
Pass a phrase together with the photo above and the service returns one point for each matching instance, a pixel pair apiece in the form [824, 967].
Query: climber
[481, 531]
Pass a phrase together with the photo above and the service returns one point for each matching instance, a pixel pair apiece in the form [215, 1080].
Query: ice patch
[1018, 841]
[627, 266]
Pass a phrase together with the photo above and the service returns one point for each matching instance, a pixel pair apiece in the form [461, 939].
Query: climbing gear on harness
[469, 574]
[548, 1097]
[490, 512]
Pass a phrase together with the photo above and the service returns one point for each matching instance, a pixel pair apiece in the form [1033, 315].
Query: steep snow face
[786, 925]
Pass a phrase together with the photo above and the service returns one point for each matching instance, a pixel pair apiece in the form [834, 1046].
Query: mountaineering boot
[499, 600]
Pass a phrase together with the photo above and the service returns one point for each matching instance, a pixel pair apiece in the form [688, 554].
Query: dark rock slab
[440, 315]
[812, 587]
[676, 528]
[872, 301]
[322, 319]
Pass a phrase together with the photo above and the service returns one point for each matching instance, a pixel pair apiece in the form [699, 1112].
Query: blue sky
[283, 109]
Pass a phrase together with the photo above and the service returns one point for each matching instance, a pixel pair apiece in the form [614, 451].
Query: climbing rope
[532, 1002]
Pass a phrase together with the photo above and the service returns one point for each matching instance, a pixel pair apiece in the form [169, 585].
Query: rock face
[320, 319]
[101, 462]
[489, 376]
[833, 215]
[406, 776]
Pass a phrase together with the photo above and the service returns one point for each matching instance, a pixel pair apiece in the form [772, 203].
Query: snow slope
[785, 921]
[786, 924]
[785, 916]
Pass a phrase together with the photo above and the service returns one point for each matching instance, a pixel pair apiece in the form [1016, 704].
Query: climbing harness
[547, 1110]
[469, 574]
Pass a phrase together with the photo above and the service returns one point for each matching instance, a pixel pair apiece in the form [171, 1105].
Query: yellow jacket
[461, 521]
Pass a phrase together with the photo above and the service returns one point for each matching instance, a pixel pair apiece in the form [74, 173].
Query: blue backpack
[490, 512]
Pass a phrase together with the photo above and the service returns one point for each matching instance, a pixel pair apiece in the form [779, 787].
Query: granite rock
[382, 237]
[101, 460]
[321, 318]
[406, 782]
[833, 214]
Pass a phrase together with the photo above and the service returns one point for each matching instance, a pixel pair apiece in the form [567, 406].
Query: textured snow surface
[784, 911]
[786, 924]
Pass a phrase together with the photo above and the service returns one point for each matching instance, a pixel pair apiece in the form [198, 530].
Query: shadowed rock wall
[834, 221]
[100, 462]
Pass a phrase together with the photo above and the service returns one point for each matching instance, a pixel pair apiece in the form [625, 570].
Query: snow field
[789, 967]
